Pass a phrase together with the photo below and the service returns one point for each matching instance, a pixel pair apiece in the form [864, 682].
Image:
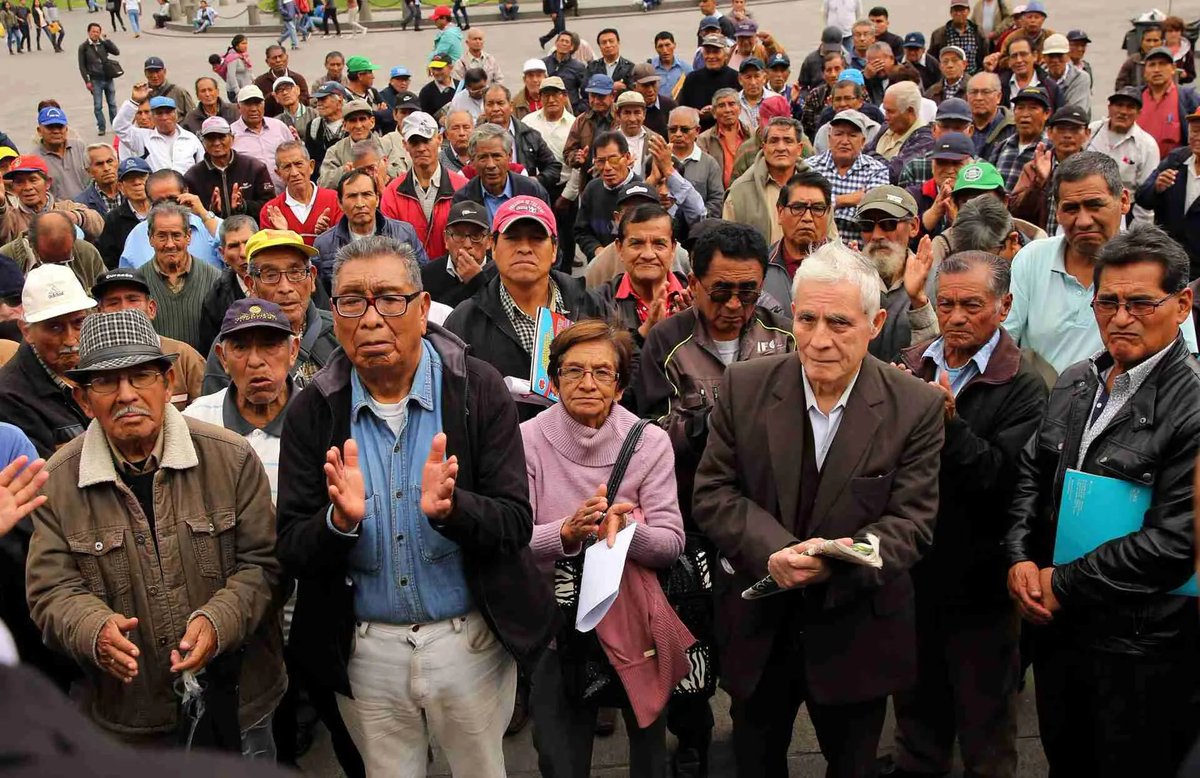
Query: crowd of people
[319, 397]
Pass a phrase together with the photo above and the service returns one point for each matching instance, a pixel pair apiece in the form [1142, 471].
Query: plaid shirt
[814, 103]
[1010, 159]
[916, 171]
[526, 326]
[968, 41]
[866, 173]
[55, 377]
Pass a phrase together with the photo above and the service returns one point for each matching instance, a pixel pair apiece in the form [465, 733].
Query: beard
[888, 258]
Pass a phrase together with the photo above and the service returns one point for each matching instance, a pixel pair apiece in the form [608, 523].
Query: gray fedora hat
[115, 341]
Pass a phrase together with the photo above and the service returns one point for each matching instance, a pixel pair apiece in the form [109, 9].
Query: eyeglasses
[980, 92]
[601, 375]
[724, 293]
[797, 209]
[270, 276]
[684, 128]
[140, 379]
[1137, 308]
[475, 239]
[354, 306]
[867, 226]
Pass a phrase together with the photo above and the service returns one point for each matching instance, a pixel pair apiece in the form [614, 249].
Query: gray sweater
[178, 314]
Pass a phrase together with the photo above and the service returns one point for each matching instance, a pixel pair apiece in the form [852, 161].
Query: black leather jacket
[1116, 598]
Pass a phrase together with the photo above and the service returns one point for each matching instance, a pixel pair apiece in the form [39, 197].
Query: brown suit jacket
[880, 476]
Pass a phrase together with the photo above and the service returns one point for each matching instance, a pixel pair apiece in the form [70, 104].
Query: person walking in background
[114, 14]
[352, 14]
[22, 13]
[460, 7]
[412, 13]
[133, 9]
[235, 66]
[331, 15]
[11, 29]
[98, 72]
[54, 28]
[37, 21]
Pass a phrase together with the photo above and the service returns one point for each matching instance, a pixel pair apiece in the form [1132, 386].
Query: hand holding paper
[602, 570]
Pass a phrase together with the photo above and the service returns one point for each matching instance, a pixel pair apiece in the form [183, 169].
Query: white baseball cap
[51, 291]
[532, 65]
[249, 92]
[418, 123]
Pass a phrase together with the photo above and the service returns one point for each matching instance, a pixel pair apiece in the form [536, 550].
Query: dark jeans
[967, 673]
[412, 13]
[1108, 715]
[508, 13]
[560, 23]
[461, 8]
[331, 16]
[762, 723]
[563, 731]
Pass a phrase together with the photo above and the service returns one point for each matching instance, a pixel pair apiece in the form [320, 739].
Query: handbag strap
[623, 457]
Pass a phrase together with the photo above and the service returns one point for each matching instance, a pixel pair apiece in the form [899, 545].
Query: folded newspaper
[858, 553]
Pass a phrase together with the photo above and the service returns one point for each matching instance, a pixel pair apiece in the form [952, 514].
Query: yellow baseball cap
[270, 239]
[7, 153]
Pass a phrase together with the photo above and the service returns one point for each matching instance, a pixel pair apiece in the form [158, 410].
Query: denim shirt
[404, 570]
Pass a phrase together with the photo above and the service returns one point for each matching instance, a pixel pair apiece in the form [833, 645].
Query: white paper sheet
[602, 570]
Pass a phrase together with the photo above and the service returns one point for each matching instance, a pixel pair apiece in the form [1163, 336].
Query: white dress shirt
[1136, 155]
[554, 133]
[178, 152]
[824, 427]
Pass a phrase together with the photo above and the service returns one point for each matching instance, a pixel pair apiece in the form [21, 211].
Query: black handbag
[112, 69]
[210, 720]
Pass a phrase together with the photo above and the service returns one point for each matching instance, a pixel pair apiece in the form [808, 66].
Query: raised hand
[437, 481]
[658, 312]
[115, 654]
[1165, 180]
[321, 226]
[347, 489]
[916, 272]
[236, 201]
[279, 221]
[215, 202]
[18, 491]
[141, 90]
[1042, 162]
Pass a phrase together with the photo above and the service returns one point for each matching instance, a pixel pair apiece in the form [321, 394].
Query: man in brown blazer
[852, 447]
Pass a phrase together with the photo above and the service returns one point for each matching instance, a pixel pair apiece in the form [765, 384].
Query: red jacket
[400, 203]
[326, 198]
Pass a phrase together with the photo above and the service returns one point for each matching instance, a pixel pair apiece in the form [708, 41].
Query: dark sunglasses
[867, 226]
[722, 294]
[674, 128]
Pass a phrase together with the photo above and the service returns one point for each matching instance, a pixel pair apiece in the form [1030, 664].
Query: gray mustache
[131, 410]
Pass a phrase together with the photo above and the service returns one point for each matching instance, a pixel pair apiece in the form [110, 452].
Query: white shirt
[1014, 87]
[210, 408]
[988, 16]
[554, 133]
[300, 210]
[727, 350]
[824, 428]
[637, 149]
[1136, 155]
[464, 102]
[178, 152]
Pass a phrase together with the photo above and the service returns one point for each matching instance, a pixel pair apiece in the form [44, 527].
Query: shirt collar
[291, 202]
[1102, 362]
[232, 419]
[148, 466]
[506, 194]
[628, 178]
[511, 309]
[694, 156]
[55, 377]
[810, 397]
[421, 390]
[625, 288]
[937, 352]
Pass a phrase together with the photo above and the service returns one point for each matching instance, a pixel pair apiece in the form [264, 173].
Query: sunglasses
[867, 226]
[674, 128]
[722, 293]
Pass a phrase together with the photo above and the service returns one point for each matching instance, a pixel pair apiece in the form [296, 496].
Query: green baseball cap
[981, 176]
[360, 64]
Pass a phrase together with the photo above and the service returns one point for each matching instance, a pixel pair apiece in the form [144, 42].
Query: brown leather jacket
[211, 551]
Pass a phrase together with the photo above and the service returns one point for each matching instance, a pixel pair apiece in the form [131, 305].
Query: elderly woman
[570, 450]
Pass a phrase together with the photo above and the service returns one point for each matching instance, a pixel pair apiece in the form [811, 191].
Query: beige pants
[452, 680]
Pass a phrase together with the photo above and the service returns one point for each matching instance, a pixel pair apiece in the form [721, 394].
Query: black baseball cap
[1069, 114]
[12, 280]
[1037, 93]
[1130, 93]
[468, 212]
[251, 313]
[636, 190]
[953, 146]
[407, 101]
[117, 277]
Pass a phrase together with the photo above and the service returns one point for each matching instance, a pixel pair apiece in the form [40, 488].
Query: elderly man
[823, 422]
[1110, 625]
[553, 121]
[155, 71]
[293, 113]
[953, 115]
[847, 94]
[1030, 110]
[498, 322]
[491, 152]
[752, 198]
[398, 398]
[850, 172]
[233, 282]
[358, 197]
[1026, 72]
[51, 240]
[1073, 84]
[142, 477]
[130, 210]
[327, 127]
[817, 98]
[590, 124]
[612, 159]
[529, 97]
[476, 57]
[953, 80]
[35, 392]
[256, 135]
[528, 148]
[303, 206]
[29, 179]
[1166, 193]
[167, 186]
[422, 197]
[399, 81]
[1031, 199]
[210, 102]
[277, 67]
[66, 158]
[645, 291]
[1053, 279]
[178, 281]
[698, 89]
[992, 123]
[726, 134]
[752, 76]
[358, 120]
[1120, 138]
[645, 81]
[906, 136]
[121, 290]
[167, 145]
[469, 97]
[964, 34]
[876, 71]
[466, 266]
[806, 218]
[103, 194]
[630, 109]
[561, 62]
[701, 170]
[226, 182]
[967, 635]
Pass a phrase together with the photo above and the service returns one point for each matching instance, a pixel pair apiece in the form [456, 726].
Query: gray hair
[87, 152]
[488, 131]
[993, 80]
[238, 221]
[860, 91]
[368, 145]
[507, 92]
[685, 112]
[1086, 164]
[448, 114]
[881, 47]
[999, 269]
[380, 246]
[722, 93]
[835, 262]
[908, 96]
[862, 23]
[291, 145]
[983, 224]
[167, 209]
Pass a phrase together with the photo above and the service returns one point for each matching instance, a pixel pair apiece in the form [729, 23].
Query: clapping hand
[347, 489]
[279, 221]
[18, 491]
[237, 202]
[438, 480]
[1042, 162]
[115, 654]
[916, 272]
[321, 226]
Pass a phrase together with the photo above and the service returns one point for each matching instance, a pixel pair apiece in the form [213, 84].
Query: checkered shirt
[55, 377]
[1010, 159]
[866, 173]
[525, 326]
[968, 41]
[917, 171]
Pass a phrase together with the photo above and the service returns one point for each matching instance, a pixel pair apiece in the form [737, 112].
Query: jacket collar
[408, 188]
[1001, 368]
[96, 464]
[335, 376]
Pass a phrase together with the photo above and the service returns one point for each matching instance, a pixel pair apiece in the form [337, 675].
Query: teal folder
[1096, 509]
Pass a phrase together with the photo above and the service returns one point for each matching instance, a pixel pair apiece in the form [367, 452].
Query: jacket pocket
[214, 543]
[102, 560]
[871, 493]
[1124, 462]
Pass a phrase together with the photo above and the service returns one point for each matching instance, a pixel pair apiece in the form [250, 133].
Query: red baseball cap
[28, 163]
[440, 12]
[525, 207]
[773, 107]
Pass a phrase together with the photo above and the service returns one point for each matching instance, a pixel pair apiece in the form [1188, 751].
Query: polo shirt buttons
[399, 493]
[162, 641]
[153, 591]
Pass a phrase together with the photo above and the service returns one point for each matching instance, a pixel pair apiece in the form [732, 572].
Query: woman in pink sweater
[570, 450]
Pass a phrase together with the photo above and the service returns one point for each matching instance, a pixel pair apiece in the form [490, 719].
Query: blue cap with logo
[1035, 7]
[161, 102]
[154, 63]
[914, 40]
[131, 166]
[599, 84]
[779, 61]
[400, 72]
[50, 116]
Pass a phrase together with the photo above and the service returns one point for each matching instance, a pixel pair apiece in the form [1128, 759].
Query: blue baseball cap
[710, 23]
[400, 72]
[1035, 7]
[599, 84]
[154, 63]
[161, 102]
[50, 116]
[131, 166]
[779, 61]
[914, 40]
[852, 74]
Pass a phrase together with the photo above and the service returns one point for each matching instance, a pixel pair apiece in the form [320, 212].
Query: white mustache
[131, 410]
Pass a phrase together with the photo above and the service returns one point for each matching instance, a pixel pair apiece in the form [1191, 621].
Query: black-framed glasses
[1135, 308]
[889, 224]
[817, 209]
[674, 128]
[722, 294]
[474, 238]
[138, 379]
[601, 375]
[354, 306]
[270, 276]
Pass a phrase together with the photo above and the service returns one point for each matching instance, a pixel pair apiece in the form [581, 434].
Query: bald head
[52, 236]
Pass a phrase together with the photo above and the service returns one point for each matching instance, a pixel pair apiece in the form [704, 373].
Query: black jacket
[447, 289]
[699, 86]
[491, 520]
[995, 413]
[1182, 225]
[657, 115]
[593, 224]
[118, 223]
[521, 185]
[1116, 598]
[485, 328]
[536, 156]
[574, 77]
[224, 293]
[622, 72]
[29, 399]
[254, 178]
[92, 57]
